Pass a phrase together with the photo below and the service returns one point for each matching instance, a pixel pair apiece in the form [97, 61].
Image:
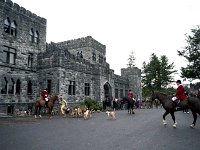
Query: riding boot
[177, 103]
[46, 103]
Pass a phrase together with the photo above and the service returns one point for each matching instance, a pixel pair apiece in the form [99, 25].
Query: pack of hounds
[86, 113]
[81, 111]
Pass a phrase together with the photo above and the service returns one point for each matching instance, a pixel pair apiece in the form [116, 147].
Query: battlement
[15, 7]
[83, 42]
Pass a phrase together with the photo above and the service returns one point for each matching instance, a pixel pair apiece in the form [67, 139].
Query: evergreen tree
[192, 54]
[157, 73]
[131, 60]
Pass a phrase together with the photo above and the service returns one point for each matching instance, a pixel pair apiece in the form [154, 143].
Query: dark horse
[41, 103]
[191, 103]
[130, 104]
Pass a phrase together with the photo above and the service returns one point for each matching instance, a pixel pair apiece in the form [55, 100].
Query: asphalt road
[141, 131]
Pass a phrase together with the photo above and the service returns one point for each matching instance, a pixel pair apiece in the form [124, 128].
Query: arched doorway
[107, 90]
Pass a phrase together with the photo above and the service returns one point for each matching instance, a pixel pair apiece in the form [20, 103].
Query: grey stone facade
[75, 69]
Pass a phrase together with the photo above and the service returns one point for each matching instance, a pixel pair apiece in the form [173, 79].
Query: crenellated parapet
[83, 42]
[55, 56]
[120, 79]
[15, 7]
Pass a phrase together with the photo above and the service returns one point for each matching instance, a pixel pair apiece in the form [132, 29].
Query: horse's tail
[37, 103]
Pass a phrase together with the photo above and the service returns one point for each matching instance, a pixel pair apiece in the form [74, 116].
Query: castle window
[13, 30]
[116, 93]
[94, 56]
[4, 86]
[18, 86]
[7, 25]
[9, 55]
[31, 35]
[72, 88]
[121, 93]
[29, 88]
[36, 37]
[11, 86]
[100, 59]
[126, 92]
[30, 60]
[49, 86]
[87, 89]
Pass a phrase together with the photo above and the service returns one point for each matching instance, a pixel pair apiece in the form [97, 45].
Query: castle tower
[134, 77]
[22, 37]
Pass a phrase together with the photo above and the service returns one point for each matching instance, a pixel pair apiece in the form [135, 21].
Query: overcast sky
[141, 26]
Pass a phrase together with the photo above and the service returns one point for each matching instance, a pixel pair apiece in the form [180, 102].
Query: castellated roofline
[87, 41]
[22, 10]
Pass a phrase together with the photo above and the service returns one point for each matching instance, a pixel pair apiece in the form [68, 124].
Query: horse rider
[44, 95]
[64, 105]
[180, 93]
[131, 95]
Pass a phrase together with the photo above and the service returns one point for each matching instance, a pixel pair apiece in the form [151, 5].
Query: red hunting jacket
[180, 93]
[131, 95]
[44, 94]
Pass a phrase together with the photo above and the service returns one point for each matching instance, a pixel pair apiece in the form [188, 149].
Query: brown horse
[41, 103]
[192, 103]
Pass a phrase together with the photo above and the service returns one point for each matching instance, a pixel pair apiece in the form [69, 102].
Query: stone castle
[76, 69]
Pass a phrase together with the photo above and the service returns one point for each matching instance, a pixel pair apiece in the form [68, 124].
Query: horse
[107, 103]
[130, 104]
[191, 103]
[41, 103]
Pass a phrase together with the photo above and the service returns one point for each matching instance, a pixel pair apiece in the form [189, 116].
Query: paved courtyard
[142, 131]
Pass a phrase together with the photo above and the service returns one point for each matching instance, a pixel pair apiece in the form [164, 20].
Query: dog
[74, 112]
[87, 114]
[111, 114]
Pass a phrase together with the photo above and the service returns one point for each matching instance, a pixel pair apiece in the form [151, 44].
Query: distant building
[75, 69]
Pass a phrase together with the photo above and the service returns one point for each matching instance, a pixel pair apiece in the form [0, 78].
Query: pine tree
[192, 54]
[157, 73]
[131, 60]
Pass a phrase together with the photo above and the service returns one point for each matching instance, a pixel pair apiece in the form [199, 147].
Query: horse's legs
[36, 110]
[50, 111]
[39, 112]
[173, 117]
[195, 118]
[164, 115]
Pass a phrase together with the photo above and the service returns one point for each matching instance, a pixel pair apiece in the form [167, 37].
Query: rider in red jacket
[131, 95]
[180, 93]
[44, 95]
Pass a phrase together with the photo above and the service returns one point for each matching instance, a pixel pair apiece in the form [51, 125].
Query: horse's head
[153, 96]
[54, 98]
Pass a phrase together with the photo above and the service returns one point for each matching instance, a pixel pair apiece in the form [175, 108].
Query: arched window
[4, 86]
[36, 37]
[13, 30]
[30, 60]
[7, 25]
[11, 86]
[18, 86]
[31, 35]
[29, 88]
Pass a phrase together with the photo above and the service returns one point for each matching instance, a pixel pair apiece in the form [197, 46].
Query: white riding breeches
[174, 98]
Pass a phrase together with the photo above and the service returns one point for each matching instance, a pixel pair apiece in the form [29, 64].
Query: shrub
[93, 104]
